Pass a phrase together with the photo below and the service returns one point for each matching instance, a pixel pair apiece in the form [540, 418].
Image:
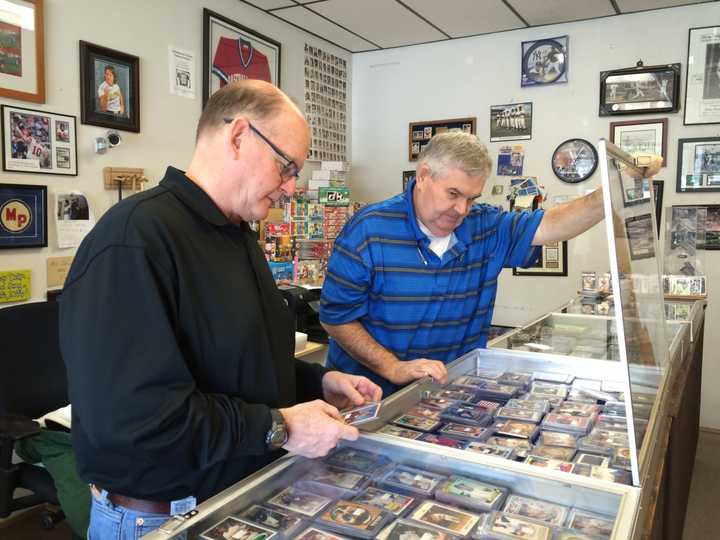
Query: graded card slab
[491, 450]
[553, 514]
[471, 493]
[355, 518]
[445, 517]
[302, 502]
[501, 525]
[398, 431]
[362, 414]
[557, 438]
[465, 431]
[448, 442]
[452, 393]
[518, 413]
[515, 428]
[387, 500]
[332, 482]
[541, 405]
[237, 528]
[415, 422]
[554, 452]
[515, 378]
[424, 412]
[356, 460]
[316, 534]
[593, 460]
[578, 409]
[437, 403]
[590, 523]
[409, 479]
[465, 413]
[408, 530]
[271, 518]
[521, 447]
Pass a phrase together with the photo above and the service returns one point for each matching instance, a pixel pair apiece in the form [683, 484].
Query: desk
[313, 352]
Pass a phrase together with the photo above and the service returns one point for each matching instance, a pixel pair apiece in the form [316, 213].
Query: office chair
[33, 382]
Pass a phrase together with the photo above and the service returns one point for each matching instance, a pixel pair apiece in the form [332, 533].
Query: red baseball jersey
[236, 60]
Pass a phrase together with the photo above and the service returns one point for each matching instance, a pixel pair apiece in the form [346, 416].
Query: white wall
[145, 29]
[465, 77]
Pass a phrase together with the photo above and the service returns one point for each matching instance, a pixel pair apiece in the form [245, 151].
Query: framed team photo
[233, 52]
[109, 88]
[23, 216]
[511, 122]
[38, 142]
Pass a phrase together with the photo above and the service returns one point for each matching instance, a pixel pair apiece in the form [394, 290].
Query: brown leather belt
[140, 505]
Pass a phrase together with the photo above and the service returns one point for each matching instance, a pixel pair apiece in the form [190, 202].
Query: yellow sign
[57, 270]
[14, 286]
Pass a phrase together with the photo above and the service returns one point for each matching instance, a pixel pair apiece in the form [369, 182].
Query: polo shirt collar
[193, 196]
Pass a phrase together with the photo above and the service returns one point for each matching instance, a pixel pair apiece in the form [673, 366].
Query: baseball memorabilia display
[698, 168]
[544, 61]
[511, 122]
[640, 89]
[420, 133]
[702, 83]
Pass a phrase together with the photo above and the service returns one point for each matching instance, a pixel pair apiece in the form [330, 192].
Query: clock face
[544, 62]
[574, 161]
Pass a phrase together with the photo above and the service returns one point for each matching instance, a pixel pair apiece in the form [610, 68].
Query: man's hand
[406, 371]
[314, 428]
[343, 390]
[649, 164]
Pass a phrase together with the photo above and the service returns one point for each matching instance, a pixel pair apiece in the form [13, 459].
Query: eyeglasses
[290, 169]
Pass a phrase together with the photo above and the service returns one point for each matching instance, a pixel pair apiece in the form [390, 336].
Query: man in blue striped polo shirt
[412, 281]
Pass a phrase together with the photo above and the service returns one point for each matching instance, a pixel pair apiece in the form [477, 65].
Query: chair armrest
[16, 427]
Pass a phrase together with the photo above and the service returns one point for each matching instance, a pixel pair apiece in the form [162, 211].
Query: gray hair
[456, 149]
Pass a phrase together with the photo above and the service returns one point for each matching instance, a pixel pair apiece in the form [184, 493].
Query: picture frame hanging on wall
[109, 88]
[702, 82]
[698, 168]
[553, 261]
[408, 176]
[38, 142]
[641, 136]
[420, 133]
[511, 122]
[233, 52]
[23, 216]
[640, 90]
[544, 61]
[22, 51]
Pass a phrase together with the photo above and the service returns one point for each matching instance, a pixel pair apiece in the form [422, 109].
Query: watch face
[574, 161]
[544, 62]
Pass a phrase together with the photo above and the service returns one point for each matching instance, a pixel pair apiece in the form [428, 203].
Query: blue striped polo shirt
[383, 274]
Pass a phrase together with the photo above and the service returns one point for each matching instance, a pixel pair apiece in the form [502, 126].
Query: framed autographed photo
[109, 88]
[420, 133]
[544, 61]
[698, 165]
[641, 136]
[640, 90]
[22, 50]
[23, 216]
[232, 52]
[38, 141]
[552, 262]
[702, 84]
[512, 122]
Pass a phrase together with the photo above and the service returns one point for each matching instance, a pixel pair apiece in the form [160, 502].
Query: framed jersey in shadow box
[552, 262]
[420, 133]
[640, 90]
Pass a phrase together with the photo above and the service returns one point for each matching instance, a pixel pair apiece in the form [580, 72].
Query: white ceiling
[367, 25]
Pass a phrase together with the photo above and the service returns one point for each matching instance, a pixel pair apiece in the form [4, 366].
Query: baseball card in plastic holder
[590, 523]
[612, 423]
[455, 393]
[411, 481]
[389, 501]
[441, 440]
[520, 446]
[437, 403]
[562, 453]
[491, 450]
[398, 431]
[549, 389]
[465, 413]
[569, 534]
[272, 518]
[519, 413]
[415, 422]
[594, 460]
[474, 381]
[332, 482]
[550, 464]
[471, 493]
[356, 460]
[557, 438]
[578, 409]
[618, 476]
[302, 502]
[515, 379]
[621, 458]
[424, 412]
[465, 431]
[490, 389]
[567, 422]
[502, 526]
[446, 518]
[589, 283]
[557, 378]
[237, 528]
[355, 519]
[553, 514]
[515, 428]
[317, 534]
[362, 414]
[582, 470]
[532, 401]
[403, 529]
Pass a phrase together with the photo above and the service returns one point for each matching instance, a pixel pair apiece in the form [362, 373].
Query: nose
[288, 188]
[462, 207]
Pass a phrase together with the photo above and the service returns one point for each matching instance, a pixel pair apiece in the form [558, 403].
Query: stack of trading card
[442, 440]
[466, 413]
[578, 396]
[521, 447]
[272, 518]
[355, 519]
[313, 533]
[424, 412]
[436, 403]
[519, 379]
[504, 452]
[395, 503]
[567, 422]
[591, 524]
[602, 441]
[445, 518]
[333, 482]
[525, 414]
[356, 460]
[561, 453]
[542, 405]
[552, 401]
[471, 493]
[548, 463]
[453, 393]
[418, 423]
[611, 423]
[552, 514]
[299, 501]
[237, 528]
[491, 390]
[398, 431]
[411, 481]
[403, 529]
[549, 390]
[502, 526]
[516, 428]
[558, 438]
[578, 409]
[465, 431]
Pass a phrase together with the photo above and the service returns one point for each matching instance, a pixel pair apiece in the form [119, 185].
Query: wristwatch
[277, 435]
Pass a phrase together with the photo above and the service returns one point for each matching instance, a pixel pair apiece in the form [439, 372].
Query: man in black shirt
[178, 345]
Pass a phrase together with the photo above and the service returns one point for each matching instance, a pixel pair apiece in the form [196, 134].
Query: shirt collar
[193, 196]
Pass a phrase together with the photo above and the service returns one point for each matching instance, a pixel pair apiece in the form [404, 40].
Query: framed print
[23, 216]
[420, 133]
[702, 83]
[22, 50]
[641, 136]
[511, 122]
[233, 52]
[109, 88]
[544, 61]
[552, 262]
[407, 177]
[698, 165]
[640, 90]
[38, 141]
[640, 237]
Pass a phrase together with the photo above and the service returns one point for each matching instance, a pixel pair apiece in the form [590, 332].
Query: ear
[423, 173]
[237, 135]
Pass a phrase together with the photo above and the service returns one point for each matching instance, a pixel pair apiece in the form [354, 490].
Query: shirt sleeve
[347, 283]
[308, 379]
[133, 391]
[518, 228]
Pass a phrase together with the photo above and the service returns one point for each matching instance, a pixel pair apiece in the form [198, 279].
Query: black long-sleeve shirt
[177, 343]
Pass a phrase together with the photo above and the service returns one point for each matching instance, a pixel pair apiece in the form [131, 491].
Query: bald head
[257, 100]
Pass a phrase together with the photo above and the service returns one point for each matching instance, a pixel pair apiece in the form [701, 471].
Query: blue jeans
[110, 522]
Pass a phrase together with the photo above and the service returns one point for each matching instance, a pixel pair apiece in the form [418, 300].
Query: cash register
[304, 303]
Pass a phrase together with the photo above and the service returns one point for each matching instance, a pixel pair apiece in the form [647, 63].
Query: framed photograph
[641, 136]
[22, 51]
[552, 262]
[38, 141]
[23, 216]
[109, 88]
[640, 90]
[407, 177]
[233, 52]
[698, 165]
[640, 237]
[544, 61]
[420, 133]
[511, 122]
[702, 83]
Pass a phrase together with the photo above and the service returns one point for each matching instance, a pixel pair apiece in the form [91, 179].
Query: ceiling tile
[323, 28]
[384, 22]
[270, 4]
[557, 11]
[467, 17]
[627, 6]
